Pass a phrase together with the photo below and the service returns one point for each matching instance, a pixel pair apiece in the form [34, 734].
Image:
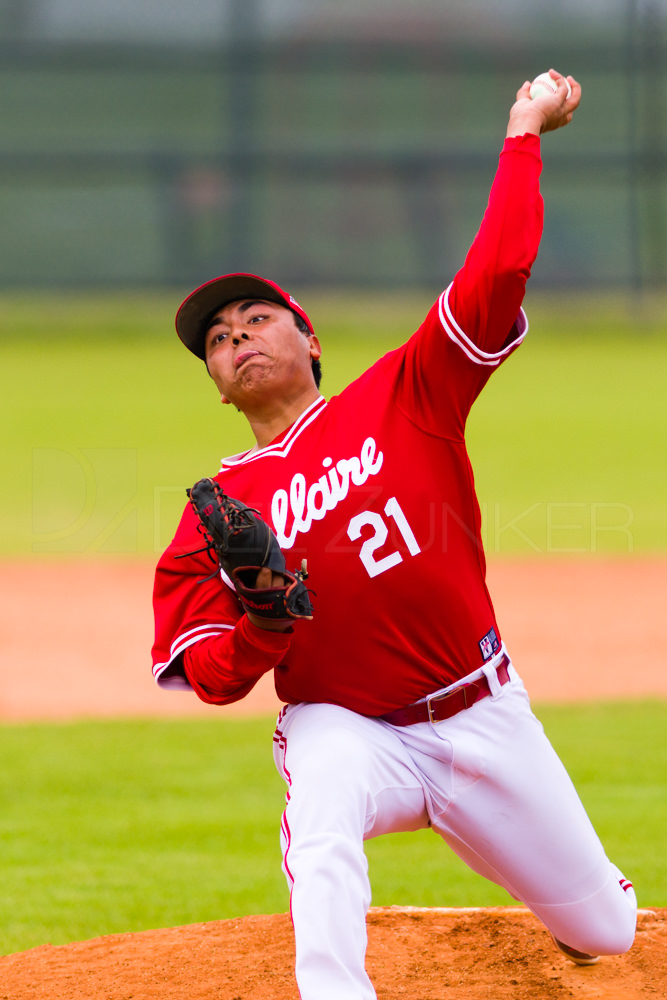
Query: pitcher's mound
[443, 954]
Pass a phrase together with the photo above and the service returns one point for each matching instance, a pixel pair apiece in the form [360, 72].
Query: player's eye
[217, 338]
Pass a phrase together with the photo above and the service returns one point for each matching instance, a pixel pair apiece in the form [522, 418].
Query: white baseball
[544, 86]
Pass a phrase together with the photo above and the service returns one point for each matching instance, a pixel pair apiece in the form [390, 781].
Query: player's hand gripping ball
[244, 543]
[545, 86]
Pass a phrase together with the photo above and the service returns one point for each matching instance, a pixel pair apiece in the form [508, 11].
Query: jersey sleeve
[203, 641]
[481, 311]
[478, 321]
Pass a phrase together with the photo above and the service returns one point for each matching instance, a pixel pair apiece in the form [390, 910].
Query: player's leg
[348, 778]
[514, 815]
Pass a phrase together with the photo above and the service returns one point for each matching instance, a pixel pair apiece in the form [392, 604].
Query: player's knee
[612, 930]
[604, 923]
[620, 933]
[624, 936]
[613, 939]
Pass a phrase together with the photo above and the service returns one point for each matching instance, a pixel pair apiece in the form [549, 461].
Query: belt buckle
[462, 688]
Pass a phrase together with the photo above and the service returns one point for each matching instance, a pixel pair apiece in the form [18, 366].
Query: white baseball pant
[487, 780]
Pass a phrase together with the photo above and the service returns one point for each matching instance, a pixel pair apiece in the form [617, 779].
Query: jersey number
[380, 533]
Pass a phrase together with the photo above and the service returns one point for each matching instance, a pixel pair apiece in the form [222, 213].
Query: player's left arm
[482, 308]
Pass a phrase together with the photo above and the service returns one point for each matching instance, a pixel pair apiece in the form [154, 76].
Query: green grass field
[111, 419]
[123, 826]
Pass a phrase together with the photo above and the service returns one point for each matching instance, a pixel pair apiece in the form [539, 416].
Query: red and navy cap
[205, 301]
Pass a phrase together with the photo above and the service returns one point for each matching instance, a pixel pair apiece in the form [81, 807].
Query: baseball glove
[244, 543]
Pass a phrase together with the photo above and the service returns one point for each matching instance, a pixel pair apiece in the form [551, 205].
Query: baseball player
[402, 708]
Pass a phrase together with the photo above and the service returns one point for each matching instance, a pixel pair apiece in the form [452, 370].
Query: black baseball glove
[244, 544]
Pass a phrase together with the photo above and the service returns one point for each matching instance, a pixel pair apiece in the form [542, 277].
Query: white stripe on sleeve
[181, 643]
[470, 349]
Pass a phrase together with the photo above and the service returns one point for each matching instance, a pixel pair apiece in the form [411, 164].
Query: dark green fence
[346, 159]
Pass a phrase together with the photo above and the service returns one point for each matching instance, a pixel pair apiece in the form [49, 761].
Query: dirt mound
[502, 953]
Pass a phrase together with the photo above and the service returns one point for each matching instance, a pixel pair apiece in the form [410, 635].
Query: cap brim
[201, 304]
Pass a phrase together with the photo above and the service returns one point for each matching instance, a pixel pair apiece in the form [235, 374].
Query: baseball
[543, 86]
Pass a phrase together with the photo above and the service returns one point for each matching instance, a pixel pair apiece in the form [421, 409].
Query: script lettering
[294, 511]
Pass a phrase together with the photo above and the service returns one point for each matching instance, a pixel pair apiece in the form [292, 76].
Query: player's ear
[315, 347]
[223, 399]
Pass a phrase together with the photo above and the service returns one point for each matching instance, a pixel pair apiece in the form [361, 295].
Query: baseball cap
[219, 292]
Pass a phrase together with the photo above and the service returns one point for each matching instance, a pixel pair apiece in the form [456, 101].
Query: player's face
[254, 349]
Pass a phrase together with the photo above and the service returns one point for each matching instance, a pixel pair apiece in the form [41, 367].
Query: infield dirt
[78, 636]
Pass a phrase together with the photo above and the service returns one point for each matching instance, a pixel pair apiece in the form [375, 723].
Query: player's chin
[254, 374]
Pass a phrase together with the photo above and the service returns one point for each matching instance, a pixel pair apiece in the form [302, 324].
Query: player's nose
[239, 336]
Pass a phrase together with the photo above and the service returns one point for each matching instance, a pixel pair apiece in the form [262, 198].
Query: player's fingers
[563, 84]
[575, 96]
[568, 88]
[523, 91]
[264, 578]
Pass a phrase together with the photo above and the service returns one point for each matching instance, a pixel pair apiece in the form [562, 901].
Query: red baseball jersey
[375, 490]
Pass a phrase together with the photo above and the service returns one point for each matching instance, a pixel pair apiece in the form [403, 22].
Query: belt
[443, 706]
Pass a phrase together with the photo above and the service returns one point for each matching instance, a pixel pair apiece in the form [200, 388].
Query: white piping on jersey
[181, 643]
[283, 447]
[476, 354]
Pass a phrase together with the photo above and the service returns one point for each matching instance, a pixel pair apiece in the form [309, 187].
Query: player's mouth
[244, 356]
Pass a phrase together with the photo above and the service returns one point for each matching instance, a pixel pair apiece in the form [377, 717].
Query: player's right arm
[478, 321]
[486, 296]
[202, 638]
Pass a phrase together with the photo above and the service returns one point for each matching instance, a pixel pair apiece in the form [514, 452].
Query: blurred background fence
[151, 142]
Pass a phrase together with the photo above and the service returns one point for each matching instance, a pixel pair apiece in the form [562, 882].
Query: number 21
[376, 566]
